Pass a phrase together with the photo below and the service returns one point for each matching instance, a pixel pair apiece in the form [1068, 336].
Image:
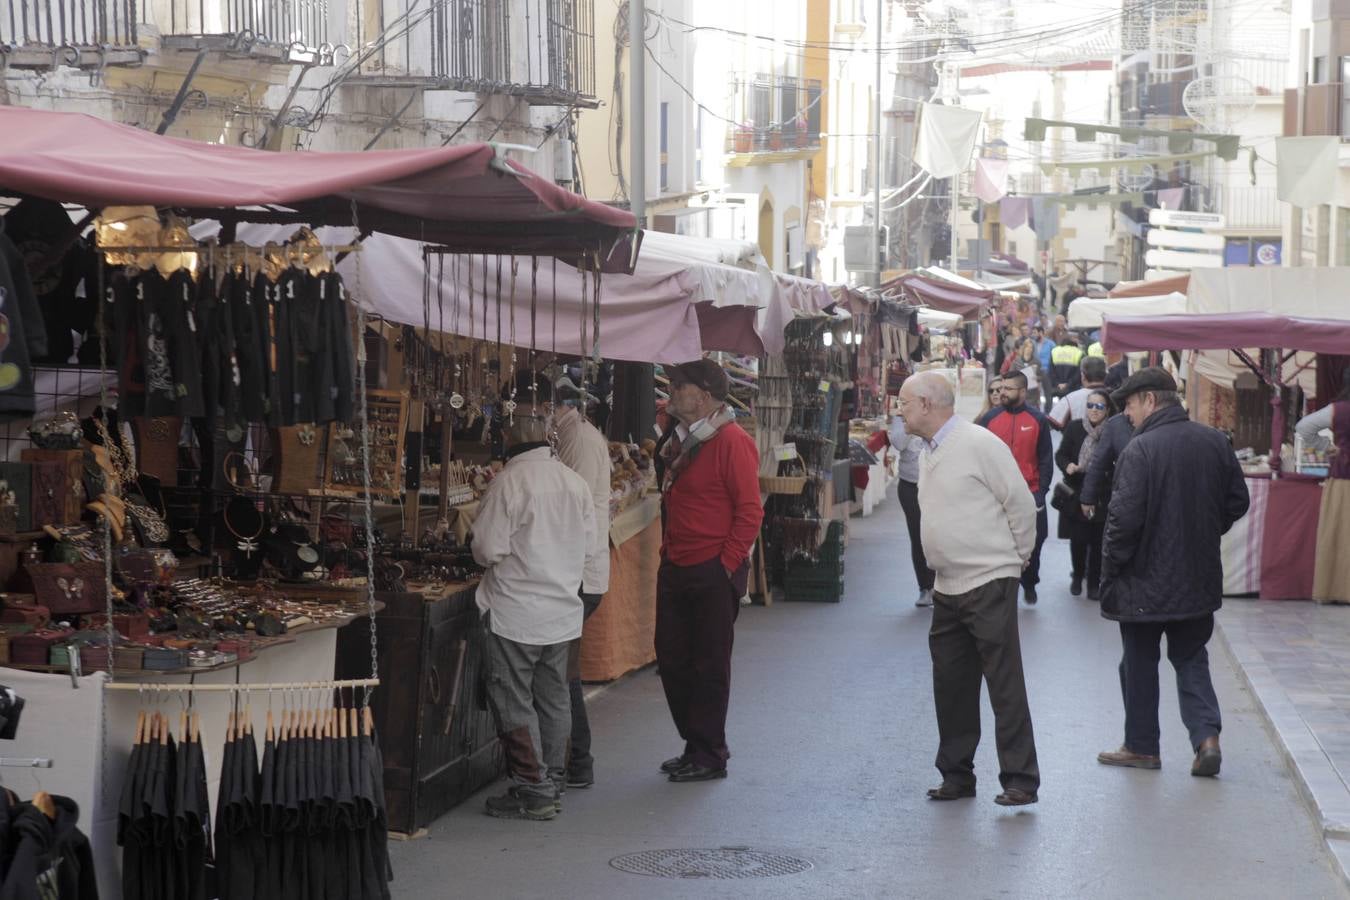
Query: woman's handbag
[1063, 497]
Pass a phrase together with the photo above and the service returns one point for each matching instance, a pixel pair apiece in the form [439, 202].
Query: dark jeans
[1086, 552]
[974, 635]
[909, 502]
[1186, 639]
[579, 760]
[1031, 575]
[696, 610]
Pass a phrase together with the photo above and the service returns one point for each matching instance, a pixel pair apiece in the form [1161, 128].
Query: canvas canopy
[1089, 312]
[941, 294]
[1178, 284]
[1224, 331]
[1322, 292]
[468, 196]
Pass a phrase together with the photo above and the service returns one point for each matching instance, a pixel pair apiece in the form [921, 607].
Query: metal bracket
[176, 107]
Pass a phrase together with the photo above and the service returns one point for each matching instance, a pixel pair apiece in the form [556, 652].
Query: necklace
[247, 544]
[119, 461]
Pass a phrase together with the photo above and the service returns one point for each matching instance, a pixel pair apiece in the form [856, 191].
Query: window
[1344, 130]
[665, 154]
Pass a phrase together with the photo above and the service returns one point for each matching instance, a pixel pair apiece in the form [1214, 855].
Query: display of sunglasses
[1096, 406]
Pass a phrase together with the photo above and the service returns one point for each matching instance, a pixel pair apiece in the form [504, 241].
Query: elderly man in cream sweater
[979, 530]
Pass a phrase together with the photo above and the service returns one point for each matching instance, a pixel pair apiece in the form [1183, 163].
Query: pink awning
[1225, 331]
[1178, 284]
[953, 298]
[463, 196]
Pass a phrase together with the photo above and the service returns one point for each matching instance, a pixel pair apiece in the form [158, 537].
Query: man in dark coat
[1178, 488]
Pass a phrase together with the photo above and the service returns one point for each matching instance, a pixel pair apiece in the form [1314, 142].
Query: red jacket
[1026, 431]
[713, 508]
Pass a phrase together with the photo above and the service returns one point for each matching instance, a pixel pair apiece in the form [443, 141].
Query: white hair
[933, 387]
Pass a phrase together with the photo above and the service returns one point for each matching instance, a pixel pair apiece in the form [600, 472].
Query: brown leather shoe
[1015, 797]
[1208, 758]
[950, 791]
[1127, 758]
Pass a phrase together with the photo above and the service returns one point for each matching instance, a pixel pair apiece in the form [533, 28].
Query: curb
[1319, 782]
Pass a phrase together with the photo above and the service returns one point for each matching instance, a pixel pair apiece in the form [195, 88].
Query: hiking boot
[515, 805]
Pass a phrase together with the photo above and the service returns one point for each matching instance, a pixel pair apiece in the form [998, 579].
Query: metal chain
[511, 405]
[109, 630]
[367, 503]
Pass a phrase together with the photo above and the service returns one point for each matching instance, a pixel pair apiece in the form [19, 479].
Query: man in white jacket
[534, 534]
[979, 530]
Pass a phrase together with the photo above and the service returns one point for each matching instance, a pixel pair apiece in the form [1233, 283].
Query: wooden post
[447, 439]
[412, 504]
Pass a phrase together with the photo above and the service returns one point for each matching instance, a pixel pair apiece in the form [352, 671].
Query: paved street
[833, 737]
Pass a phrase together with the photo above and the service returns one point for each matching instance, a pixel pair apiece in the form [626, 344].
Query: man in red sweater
[711, 514]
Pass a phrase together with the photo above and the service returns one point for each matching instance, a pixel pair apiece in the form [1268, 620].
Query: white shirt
[533, 534]
[1074, 406]
[585, 451]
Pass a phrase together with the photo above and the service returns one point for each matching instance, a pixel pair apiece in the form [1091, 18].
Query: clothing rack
[155, 688]
[209, 248]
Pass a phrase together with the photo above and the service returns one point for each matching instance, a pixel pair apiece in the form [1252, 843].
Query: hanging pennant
[991, 179]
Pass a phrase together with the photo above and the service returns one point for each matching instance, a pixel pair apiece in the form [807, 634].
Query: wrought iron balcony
[774, 114]
[540, 50]
[91, 33]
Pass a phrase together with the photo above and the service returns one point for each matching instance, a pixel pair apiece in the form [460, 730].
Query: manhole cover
[724, 862]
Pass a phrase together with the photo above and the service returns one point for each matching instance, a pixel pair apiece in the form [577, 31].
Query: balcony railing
[541, 50]
[71, 29]
[68, 24]
[774, 113]
[1250, 208]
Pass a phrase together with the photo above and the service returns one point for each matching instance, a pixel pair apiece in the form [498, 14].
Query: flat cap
[701, 373]
[1154, 378]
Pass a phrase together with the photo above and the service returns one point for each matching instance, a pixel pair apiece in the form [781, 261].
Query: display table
[1271, 550]
[87, 732]
[619, 637]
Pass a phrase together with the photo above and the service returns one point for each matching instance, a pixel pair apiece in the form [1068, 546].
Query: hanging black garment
[51, 857]
[152, 304]
[232, 419]
[244, 302]
[130, 834]
[226, 805]
[376, 870]
[208, 345]
[279, 347]
[339, 324]
[180, 312]
[163, 778]
[37, 227]
[270, 820]
[22, 335]
[251, 844]
[120, 314]
[309, 332]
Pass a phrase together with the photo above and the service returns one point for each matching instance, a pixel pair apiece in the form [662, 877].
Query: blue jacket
[1043, 351]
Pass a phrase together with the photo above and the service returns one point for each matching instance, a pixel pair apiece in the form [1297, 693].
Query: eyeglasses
[1096, 406]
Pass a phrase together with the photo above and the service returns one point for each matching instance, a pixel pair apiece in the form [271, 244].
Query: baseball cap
[1154, 378]
[702, 373]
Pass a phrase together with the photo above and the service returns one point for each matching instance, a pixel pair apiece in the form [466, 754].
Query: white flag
[946, 139]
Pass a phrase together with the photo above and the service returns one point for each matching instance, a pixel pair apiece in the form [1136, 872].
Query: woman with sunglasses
[993, 397]
[1076, 448]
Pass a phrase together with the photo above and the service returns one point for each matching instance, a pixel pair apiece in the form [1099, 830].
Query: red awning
[463, 196]
[1225, 331]
[953, 298]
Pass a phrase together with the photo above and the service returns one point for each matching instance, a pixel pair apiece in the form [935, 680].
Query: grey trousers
[527, 693]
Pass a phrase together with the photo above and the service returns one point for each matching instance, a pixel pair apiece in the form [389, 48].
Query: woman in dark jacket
[1076, 449]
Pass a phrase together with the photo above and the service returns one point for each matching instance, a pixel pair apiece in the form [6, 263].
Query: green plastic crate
[825, 592]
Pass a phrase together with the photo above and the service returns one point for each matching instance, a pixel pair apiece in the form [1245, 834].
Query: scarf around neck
[680, 453]
[1094, 436]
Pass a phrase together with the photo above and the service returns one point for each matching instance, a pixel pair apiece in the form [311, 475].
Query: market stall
[238, 495]
[1273, 548]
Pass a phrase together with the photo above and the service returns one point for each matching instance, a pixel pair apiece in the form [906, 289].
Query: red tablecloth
[1289, 544]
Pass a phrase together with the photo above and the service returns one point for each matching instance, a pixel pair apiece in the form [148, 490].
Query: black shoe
[1076, 585]
[695, 772]
[951, 791]
[580, 780]
[674, 764]
[1094, 593]
[1029, 594]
